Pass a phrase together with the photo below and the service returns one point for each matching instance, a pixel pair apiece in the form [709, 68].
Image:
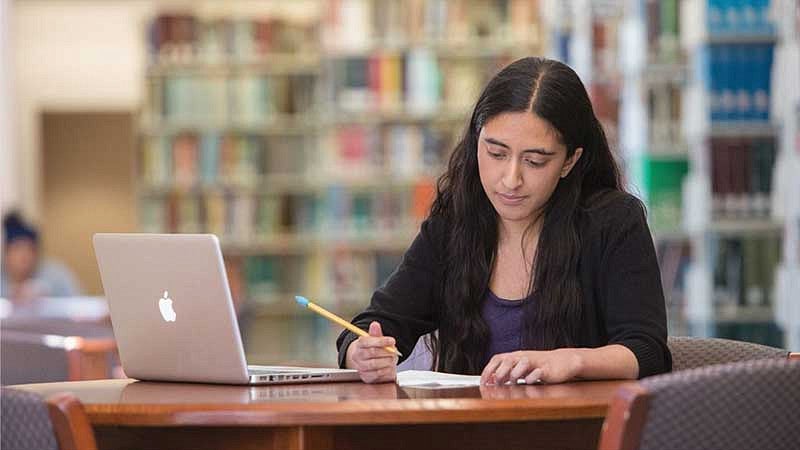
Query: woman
[534, 263]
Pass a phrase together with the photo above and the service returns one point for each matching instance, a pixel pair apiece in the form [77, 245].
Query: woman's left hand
[553, 366]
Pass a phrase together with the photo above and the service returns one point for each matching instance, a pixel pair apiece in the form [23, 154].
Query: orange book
[391, 83]
[422, 199]
[228, 159]
[185, 154]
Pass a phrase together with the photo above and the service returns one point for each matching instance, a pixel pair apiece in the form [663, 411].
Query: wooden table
[128, 414]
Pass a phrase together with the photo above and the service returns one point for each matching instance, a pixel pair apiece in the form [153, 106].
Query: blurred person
[534, 263]
[26, 275]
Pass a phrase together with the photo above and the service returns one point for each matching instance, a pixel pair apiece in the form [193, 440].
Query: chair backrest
[30, 358]
[687, 353]
[693, 352]
[31, 422]
[744, 405]
[39, 358]
[59, 326]
[37, 350]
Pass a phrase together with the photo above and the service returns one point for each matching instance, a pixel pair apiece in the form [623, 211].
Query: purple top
[504, 318]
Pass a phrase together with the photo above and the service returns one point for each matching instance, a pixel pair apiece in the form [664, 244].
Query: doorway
[88, 168]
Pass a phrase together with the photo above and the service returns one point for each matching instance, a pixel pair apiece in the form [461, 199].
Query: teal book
[209, 157]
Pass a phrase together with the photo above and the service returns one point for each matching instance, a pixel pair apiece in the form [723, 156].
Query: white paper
[434, 380]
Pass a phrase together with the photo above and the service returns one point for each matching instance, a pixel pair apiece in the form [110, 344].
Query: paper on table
[434, 380]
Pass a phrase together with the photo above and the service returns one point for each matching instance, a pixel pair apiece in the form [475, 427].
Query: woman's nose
[512, 178]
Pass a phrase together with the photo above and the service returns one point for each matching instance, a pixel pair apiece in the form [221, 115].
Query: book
[739, 81]
[741, 176]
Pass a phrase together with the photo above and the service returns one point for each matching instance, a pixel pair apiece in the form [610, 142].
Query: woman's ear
[570, 162]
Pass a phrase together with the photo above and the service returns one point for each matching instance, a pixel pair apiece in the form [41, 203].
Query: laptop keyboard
[269, 371]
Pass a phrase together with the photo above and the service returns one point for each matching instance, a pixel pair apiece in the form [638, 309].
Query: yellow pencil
[336, 319]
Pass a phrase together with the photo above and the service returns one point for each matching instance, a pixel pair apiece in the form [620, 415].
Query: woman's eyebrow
[540, 151]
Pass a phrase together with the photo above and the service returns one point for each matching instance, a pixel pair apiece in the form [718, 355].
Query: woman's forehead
[521, 130]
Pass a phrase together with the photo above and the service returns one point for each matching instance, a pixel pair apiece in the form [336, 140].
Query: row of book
[388, 80]
[739, 17]
[664, 108]
[339, 212]
[186, 38]
[341, 280]
[240, 97]
[347, 24]
[741, 176]
[411, 80]
[744, 270]
[743, 277]
[600, 72]
[389, 150]
[358, 153]
[604, 37]
[188, 159]
[359, 24]
[739, 79]
[660, 181]
[743, 295]
[662, 29]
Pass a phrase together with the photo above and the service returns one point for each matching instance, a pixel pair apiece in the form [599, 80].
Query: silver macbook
[173, 316]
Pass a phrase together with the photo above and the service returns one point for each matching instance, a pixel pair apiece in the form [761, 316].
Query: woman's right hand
[368, 355]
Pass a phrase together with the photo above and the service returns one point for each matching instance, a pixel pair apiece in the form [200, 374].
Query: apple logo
[165, 306]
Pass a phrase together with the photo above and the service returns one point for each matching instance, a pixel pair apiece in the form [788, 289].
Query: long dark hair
[552, 91]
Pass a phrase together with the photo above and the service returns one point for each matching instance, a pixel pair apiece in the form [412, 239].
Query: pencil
[338, 320]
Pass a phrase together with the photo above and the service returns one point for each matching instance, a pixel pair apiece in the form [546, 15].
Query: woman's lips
[510, 199]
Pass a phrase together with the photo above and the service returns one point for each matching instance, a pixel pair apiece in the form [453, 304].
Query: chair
[744, 405]
[693, 352]
[31, 422]
[687, 353]
[46, 350]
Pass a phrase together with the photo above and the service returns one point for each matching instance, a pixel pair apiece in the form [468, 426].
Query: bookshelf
[653, 70]
[736, 240]
[786, 195]
[587, 35]
[309, 141]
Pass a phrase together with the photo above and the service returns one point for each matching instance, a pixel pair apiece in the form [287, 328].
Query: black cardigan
[619, 276]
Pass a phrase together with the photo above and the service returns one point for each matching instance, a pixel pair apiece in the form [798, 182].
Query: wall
[89, 186]
[8, 180]
[77, 56]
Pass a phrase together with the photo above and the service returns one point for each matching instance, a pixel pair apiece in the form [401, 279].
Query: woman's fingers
[487, 376]
[512, 367]
[536, 376]
[532, 366]
[382, 375]
[376, 342]
[503, 370]
[368, 364]
[520, 370]
[376, 352]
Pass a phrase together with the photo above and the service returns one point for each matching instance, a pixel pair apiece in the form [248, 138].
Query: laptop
[173, 316]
